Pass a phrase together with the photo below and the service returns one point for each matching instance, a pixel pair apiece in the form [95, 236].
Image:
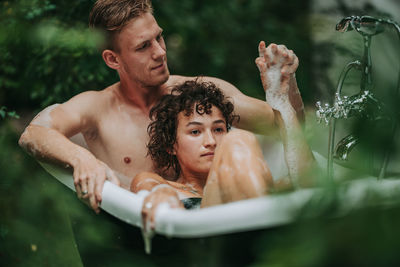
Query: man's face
[142, 52]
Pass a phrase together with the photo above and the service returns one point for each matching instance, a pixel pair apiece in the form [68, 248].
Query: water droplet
[147, 237]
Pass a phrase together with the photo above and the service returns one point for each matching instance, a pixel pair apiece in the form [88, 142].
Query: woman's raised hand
[277, 65]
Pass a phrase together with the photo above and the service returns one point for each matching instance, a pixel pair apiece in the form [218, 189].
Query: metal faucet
[363, 104]
[345, 107]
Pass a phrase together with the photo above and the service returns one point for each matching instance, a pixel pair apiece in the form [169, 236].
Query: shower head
[364, 25]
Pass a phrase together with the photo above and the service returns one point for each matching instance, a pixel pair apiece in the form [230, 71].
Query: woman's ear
[172, 151]
[111, 59]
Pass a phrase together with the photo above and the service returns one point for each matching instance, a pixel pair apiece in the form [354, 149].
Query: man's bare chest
[121, 140]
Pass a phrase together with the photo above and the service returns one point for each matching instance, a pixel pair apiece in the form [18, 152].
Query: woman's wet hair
[189, 97]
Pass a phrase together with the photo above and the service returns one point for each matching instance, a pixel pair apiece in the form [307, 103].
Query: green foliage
[48, 54]
[33, 225]
[220, 38]
[4, 113]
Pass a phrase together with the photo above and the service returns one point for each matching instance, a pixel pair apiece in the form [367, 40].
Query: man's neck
[140, 96]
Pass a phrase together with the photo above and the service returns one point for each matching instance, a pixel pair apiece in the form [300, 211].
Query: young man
[113, 121]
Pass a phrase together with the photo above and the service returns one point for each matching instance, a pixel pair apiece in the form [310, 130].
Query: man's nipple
[127, 160]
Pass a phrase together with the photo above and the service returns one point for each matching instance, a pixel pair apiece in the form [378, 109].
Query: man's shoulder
[93, 96]
[88, 104]
[182, 78]
[224, 85]
[178, 79]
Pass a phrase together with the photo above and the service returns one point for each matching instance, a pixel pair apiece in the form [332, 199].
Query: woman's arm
[160, 192]
[276, 70]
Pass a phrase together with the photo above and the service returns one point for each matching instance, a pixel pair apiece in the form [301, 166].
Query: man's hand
[277, 66]
[89, 177]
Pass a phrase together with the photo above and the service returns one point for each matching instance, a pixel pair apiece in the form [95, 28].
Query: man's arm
[256, 115]
[46, 138]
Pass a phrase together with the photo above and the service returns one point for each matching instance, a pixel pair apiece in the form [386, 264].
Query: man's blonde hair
[110, 17]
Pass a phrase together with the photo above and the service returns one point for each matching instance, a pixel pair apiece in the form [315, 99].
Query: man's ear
[111, 59]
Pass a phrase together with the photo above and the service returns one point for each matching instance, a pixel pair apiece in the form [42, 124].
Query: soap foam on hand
[274, 95]
[278, 98]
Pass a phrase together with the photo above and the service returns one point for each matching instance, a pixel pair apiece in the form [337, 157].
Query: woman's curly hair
[186, 97]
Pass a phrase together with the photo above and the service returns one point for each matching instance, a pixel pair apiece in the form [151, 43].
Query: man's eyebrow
[149, 39]
[141, 43]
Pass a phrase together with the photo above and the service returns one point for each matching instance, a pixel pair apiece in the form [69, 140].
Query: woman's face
[197, 137]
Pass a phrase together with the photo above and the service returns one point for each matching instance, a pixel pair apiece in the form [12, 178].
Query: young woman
[189, 134]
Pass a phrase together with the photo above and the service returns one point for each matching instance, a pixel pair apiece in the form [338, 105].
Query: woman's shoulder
[146, 181]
